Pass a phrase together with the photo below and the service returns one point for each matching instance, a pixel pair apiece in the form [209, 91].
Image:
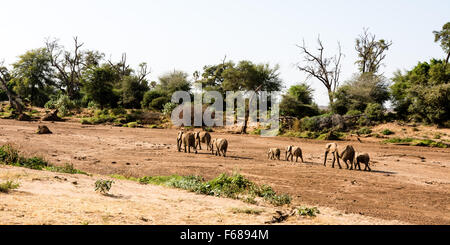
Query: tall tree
[325, 69]
[371, 52]
[71, 64]
[34, 77]
[98, 84]
[443, 37]
[14, 101]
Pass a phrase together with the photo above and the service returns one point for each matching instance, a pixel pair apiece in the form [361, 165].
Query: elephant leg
[334, 160]
[296, 159]
[325, 161]
[337, 157]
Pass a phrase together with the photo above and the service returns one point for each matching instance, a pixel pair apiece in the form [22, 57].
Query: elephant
[179, 140]
[292, 151]
[221, 146]
[363, 158]
[348, 155]
[333, 149]
[274, 153]
[188, 142]
[202, 137]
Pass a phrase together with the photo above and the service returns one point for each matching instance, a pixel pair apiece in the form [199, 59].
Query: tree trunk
[448, 58]
[15, 104]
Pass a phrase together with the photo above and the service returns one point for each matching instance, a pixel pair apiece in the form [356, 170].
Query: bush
[103, 186]
[374, 112]
[364, 131]
[7, 186]
[63, 103]
[10, 156]
[387, 132]
[305, 211]
[151, 95]
[67, 169]
[168, 108]
[235, 186]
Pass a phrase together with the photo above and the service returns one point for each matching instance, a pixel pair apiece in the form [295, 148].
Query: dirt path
[410, 184]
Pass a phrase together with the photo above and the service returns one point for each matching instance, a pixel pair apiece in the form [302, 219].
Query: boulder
[43, 130]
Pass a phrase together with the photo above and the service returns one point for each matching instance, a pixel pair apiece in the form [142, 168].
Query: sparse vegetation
[7, 186]
[103, 186]
[9, 155]
[306, 211]
[387, 132]
[416, 142]
[235, 186]
[246, 211]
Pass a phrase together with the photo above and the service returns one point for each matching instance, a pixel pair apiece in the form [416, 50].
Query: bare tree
[371, 52]
[68, 65]
[14, 101]
[325, 69]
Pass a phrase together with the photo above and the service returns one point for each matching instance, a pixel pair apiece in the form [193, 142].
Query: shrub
[103, 186]
[354, 113]
[168, 108]
[7, 186]
[387, 132]
[67, 168]
[374, 112]
[305, 211]
[132, 125]
[364, 131]
[63, 103]
[235, 186]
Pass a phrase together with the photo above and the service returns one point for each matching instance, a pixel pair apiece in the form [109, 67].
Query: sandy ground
[408, 184]
[46, 198]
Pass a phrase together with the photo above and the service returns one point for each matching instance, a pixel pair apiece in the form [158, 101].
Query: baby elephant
[292, 151]
[363, 158]
[188, 142]
[348, 155]
[274, 153]
[179, 140]
[221, 146]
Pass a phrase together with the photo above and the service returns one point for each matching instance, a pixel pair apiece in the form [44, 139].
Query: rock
[51, 116]
[43, 130]
[24, 117]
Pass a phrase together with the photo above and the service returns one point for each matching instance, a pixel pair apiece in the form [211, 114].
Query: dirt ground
[409, 184]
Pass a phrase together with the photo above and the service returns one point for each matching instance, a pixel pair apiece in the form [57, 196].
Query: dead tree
[326, 69]
[68, 65]
[371, 52]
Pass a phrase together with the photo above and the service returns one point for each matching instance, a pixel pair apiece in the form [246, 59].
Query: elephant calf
[348, 155]
[188, 142]
[179, 140]
[332, 148]
[221, 146]
[274, 153]
[292, 151]
[363, 158]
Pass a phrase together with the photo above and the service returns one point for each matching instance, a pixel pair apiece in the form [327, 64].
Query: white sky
[187, 35]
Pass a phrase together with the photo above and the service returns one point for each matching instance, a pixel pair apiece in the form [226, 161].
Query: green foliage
[359, 92]
[98, 86]
[10, 156]
[151, 95]
[103, 186]
[374, 112]
[332, 135]
[67, 169]
[61, 102]
[8, 186]
[235, 186]
[416, 142]
[132, 91]
[174, 81]
[443, 37]
[33, 77]
[298, 102]
[423, 94]
[168, 108]
[305, 211]
[364, 131]
[387, 132]
[353, 113]
[133, 125]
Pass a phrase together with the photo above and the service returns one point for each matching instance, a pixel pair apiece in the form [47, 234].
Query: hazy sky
[186, 35]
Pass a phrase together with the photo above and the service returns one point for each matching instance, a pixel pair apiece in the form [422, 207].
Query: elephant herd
[193, 140]
[219, 146]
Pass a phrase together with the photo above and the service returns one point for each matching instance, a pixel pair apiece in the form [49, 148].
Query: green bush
[305, 211]
[374, 112]
[67, 168]
[103, 186]
[364, 131]
[7, 186]
[168, 108]
[235, 186]
[387, 132]
[63, 103]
